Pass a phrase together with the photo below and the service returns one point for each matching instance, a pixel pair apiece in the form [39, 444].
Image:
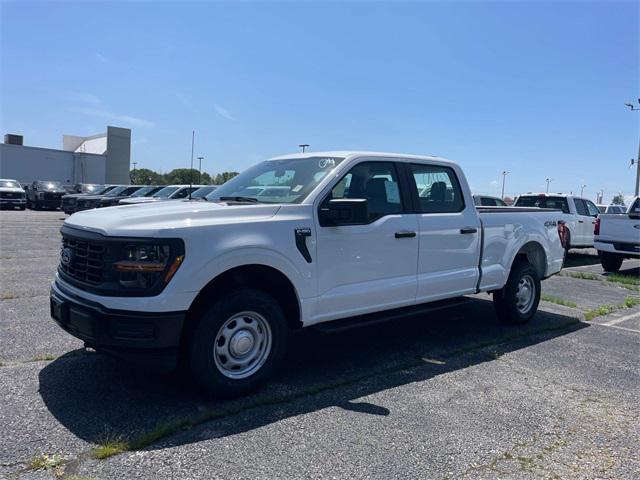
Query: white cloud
[100, 58]
[83, 97]
[223, 112]
[127, 119]
[493, 183]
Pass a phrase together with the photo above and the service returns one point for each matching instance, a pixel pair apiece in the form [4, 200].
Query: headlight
[144, 265]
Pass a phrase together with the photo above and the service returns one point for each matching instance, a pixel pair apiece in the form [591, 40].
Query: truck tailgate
[619, 228]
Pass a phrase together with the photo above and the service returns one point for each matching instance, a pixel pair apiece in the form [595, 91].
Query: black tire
[567, 246]
[506, 302]
[21, 207]
[29, 205]
[207, 367]
[611, 262]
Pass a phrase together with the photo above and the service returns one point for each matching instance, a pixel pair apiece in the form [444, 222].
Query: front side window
[277, 181]
[438, 189]
[377, 182]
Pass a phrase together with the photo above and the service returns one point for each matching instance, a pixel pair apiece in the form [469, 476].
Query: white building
[102, 158]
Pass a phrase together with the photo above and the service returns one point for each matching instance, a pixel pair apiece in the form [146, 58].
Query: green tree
[618, 200]
[145, 176]
[184, 176]
[221, 178]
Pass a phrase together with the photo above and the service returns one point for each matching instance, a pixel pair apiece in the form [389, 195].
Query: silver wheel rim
[525, 294]
[242, 345]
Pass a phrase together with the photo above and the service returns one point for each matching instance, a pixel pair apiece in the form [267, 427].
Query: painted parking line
[615, 321]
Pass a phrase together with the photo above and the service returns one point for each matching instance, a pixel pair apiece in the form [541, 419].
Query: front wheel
[611, 262]
[518, 300]
[238, 343]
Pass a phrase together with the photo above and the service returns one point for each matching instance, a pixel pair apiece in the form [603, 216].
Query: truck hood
[11, 189]
[164, 218]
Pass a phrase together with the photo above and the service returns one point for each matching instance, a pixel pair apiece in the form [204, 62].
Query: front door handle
[580, 221]
[405, 234]
[468, 230]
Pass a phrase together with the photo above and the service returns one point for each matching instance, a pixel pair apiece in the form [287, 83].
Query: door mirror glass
[344, 211]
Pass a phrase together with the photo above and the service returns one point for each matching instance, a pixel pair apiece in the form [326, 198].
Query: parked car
[218, 284]
[611, 208]
[97, 201]
[12, 195]
[69, 202]
[202, 192]
[142, 192]
[487, 201]
[170, 192]
[579, 214]
[45, 194]
[617, 236]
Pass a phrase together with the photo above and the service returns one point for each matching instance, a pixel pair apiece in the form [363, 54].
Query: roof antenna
[193, 139]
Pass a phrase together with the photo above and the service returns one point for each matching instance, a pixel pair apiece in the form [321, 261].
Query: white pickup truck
[216, 285]
[617, 236]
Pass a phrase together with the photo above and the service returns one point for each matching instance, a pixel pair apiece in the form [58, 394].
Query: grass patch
[7, 296]
[624, 279]
[583, 275]
[110, 447]
[559, 301]
[45, 462]
[42, 358]
[631, 301]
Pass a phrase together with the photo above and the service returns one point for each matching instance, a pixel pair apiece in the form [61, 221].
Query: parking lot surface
[451, 395]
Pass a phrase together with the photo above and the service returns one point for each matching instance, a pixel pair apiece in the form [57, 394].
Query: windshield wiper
[240, 199]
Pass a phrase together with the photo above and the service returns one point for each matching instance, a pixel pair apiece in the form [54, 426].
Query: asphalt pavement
[451, 395]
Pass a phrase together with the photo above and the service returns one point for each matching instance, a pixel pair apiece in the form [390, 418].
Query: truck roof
[358, 153]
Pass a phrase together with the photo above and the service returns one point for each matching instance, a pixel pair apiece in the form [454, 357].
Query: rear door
[366, 268]
[449, 233]
[584, 226]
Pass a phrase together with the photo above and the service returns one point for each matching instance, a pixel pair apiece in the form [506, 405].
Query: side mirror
[344, 211]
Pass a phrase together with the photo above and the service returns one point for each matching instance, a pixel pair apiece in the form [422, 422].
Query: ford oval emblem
[65, 256]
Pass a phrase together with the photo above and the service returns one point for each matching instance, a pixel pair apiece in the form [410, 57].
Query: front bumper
[152, 338]
[13, 202]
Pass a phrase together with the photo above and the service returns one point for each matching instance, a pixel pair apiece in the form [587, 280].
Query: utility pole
[304, 146]
[635, 109]
[200, 171]
[504, 176]
[134, 172]
[193, 140]
[548, 180]
[582, 189]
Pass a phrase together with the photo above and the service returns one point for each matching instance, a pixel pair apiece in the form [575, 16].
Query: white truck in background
[346, 238]
[579, 214]
[617, 236]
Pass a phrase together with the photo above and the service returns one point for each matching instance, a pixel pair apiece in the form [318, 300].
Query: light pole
[134, 172]
[504, 176]
[200, 170]
[548, 180]
[635, 109]
[582, 189]
[303, 146]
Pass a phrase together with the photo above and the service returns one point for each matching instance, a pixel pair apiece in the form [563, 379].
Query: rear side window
[557, 203]
[375, 181]
[581, 208]
[438, 189]
[591, 208]
[635, 207]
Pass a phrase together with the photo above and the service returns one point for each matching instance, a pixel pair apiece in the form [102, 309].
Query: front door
[370, 267]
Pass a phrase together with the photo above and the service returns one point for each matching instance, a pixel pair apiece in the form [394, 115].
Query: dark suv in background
[87, 202]
[69, 202]
[45, 194]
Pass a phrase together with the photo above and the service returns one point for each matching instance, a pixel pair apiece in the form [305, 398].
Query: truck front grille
[83, 260]
[11, 195]
[67, 202]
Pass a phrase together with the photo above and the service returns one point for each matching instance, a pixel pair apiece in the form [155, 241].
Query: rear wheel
[611, 262]
[238, 343]
[518, 301]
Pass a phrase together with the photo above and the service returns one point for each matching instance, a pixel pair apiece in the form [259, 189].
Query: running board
[344, 324]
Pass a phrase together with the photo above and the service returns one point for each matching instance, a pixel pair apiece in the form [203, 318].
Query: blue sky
[534, 88]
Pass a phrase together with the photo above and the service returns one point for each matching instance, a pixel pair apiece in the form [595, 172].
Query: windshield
[116, 191]
[278, 181]
[143, 191]
[165, 192]
[50, 186]
[202, 192]
[9, 184]
[557, 203]
[90, 188]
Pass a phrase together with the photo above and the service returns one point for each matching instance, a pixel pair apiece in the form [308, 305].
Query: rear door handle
[468, 230]
[405, 234]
